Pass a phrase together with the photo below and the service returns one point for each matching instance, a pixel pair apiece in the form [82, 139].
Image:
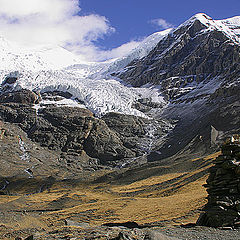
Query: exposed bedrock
[196, 68]
[75, 131]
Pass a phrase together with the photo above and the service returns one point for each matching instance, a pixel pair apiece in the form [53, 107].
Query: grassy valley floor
[164, 194]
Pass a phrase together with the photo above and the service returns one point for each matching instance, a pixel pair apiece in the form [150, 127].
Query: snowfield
[50, 68]
[54, 68]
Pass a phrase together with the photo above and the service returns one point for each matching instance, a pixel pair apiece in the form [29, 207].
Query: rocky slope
[187, 100]
[196, 67]
[198, 50]
[69, 139]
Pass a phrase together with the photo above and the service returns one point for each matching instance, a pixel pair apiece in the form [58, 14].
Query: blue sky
[97, 30]
[131, 18]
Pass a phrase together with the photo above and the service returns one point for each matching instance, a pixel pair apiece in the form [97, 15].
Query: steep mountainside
[197, 50]
[196, 67]
[184, 96]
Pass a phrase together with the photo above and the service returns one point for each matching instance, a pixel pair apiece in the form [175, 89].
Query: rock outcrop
[130, 129]
[223, 187]
[23, 96]
[196, 67]
[74, 132]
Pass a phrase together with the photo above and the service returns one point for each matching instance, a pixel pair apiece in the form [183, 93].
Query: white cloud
[162, 23]
[53, 9]
[58, 22]
[121, 51]
[35, 22]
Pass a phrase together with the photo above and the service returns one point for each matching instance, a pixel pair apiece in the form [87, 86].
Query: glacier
[49, 68]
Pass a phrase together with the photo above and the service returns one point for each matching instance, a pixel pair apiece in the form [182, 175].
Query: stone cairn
[223, 187]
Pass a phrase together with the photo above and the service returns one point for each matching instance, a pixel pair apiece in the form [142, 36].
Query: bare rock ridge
[223, 187]
[197, 69]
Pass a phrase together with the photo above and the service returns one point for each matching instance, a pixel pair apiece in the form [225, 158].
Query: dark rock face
[9, 80]
[141, 135]
[23, 96]
[223, 187]
[69, 130]
[104, 144]
[74, 131]
[21, 114]
[58, 93]
[186, 57]
[198, 72]
[146, 104]
[61, 128]
[130, 129]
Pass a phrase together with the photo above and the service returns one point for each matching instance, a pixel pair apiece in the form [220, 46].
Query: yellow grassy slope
[172, 198]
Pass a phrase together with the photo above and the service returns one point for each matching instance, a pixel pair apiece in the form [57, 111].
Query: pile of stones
[223, 187]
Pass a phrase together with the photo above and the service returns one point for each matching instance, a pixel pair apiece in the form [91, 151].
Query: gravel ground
[110, 233]
[201, 233]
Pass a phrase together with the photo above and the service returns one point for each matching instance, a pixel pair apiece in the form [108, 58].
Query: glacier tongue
[230, 27]
[99, 95]
[54, 68]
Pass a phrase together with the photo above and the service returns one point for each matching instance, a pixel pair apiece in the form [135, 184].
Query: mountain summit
[196, 66]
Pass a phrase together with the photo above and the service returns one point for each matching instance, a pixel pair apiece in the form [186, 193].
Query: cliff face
[193, 54]
[196, 67]
[77, 140]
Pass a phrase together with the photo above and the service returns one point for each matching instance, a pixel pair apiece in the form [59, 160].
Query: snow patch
[25, 156]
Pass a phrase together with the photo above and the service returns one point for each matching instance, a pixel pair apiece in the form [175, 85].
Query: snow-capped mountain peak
[230, 27]
[203, 17]
[18, 58]
[232, 23]
[51, 67]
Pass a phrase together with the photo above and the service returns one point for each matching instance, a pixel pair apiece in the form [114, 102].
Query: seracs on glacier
[51, 68]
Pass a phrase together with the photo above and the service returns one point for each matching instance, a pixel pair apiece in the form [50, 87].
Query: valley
[165, 194]
[120, 149]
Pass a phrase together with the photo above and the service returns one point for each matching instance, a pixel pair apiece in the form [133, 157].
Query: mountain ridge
[196, 67]
[178, 86]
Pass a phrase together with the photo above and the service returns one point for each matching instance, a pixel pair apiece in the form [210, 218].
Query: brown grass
[170, 198]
